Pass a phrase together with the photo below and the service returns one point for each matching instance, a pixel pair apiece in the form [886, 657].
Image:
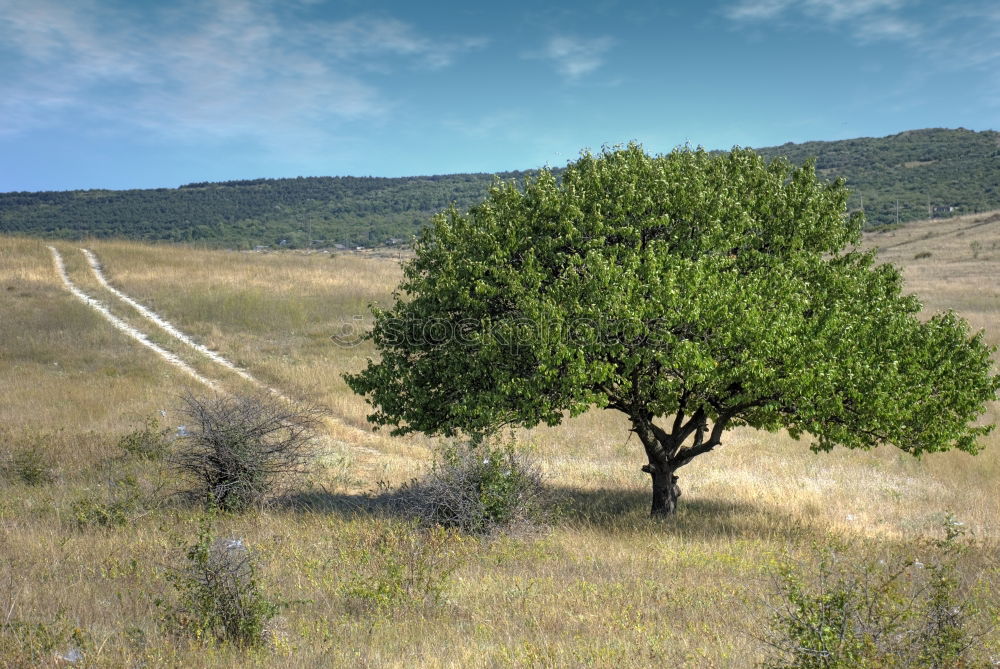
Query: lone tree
[693, 293]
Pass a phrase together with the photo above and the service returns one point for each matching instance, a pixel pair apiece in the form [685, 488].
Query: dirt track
[124, 327]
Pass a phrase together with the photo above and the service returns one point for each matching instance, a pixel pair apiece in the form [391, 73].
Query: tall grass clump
[28, 460]
[238, 451]
[482, 488]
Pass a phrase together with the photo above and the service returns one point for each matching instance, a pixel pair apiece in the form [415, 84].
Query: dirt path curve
[124, 327]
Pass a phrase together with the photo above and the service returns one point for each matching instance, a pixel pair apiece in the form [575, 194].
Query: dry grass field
[602, 586]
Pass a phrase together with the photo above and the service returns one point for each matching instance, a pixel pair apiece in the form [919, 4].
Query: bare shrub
[238, 451]
[480, 488]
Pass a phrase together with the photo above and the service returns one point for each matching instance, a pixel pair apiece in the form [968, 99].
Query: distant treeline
[953, 171]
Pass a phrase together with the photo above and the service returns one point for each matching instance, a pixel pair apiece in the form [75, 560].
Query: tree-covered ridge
[342, 210]
[921, 168]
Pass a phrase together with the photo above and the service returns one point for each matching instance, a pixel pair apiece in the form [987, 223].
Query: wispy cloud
[365, 36]
[877, 28]
[757, 10]
[866, 20]
[954, 36]
[574, 57]
[230, 68]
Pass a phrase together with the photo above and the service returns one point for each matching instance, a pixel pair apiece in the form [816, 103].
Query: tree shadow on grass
[608, 510]
[616, 510]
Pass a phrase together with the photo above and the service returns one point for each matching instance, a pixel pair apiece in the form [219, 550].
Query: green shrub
[396, 566]
[480, 488]
[218, 593]
[149, 442]
[120, 502]
[29, 465]
[891, 612]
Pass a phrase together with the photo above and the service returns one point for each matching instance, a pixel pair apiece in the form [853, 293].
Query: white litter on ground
[122, 326]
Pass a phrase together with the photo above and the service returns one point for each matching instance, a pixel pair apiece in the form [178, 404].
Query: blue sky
[126, 94]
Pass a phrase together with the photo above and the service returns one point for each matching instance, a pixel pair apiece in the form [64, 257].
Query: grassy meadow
[602, 586]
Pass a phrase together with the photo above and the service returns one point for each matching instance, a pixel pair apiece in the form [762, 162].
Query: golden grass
[606, 586]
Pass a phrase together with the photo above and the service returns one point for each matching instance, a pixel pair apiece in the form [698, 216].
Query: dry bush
[239, 450]
[480, 488]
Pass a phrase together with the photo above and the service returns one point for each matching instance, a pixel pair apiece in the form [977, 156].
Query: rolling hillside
[951, 172]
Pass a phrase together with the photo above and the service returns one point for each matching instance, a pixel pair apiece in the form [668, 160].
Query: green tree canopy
[693, 293]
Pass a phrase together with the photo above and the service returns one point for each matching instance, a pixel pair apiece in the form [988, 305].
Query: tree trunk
[666, 452]
[665, 490]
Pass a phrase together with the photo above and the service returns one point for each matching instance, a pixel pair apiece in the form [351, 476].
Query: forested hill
[925, 170]
[921, 169]
[351, 211]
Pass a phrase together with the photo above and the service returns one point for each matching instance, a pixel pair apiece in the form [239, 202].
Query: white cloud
[873, 29]
[866, 20]
[844, 10]
[757, 10]
[230, 68]
[374, 35]
[574, 57]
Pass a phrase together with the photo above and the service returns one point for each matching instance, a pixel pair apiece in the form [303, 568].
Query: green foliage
[280, 213]
[718, 290]
[149, 442]
[916, 168]
[114, 505]
[683, 282]
[218, 593]
[397, 566]
[890, 613]
[481, 488]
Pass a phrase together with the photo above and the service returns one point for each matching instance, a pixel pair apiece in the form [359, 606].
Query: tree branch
[679, 418]
[695, 422]
[686, 455]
